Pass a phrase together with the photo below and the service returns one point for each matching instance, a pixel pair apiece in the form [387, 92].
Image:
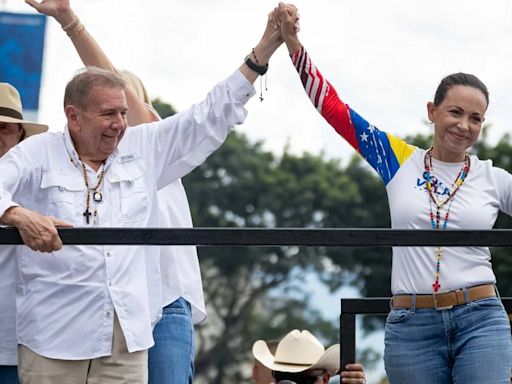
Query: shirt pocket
[133, 192]
[65, 196]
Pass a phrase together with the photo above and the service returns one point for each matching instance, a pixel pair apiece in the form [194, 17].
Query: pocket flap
[128, 172]
[62, 181]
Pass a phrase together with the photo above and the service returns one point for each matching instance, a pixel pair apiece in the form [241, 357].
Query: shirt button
[108, 254]
[108, 314]
[109, 283]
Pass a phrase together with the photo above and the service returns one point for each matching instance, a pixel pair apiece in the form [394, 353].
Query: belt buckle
[437, 307]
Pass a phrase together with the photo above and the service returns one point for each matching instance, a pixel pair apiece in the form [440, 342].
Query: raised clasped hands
[285, 18]
[282, 23]
[272, 37]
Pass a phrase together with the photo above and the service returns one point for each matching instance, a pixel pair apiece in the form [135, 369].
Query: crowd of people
[126, 314]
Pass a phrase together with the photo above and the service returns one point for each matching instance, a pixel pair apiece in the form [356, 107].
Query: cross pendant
[87, 215]
[436, 286]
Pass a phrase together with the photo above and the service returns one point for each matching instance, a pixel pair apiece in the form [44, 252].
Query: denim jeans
[8, 374]
[171, 359]
[467, 344]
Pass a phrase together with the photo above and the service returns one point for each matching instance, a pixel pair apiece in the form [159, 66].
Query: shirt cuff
[242, 88]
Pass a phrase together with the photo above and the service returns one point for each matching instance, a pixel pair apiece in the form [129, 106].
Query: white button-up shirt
[179, 265]
[66, 300]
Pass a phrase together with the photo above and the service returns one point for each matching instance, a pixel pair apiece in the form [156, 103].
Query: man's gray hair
[79, 87]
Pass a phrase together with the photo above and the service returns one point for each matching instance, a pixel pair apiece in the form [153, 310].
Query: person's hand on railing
[353, 373]
[37, 231]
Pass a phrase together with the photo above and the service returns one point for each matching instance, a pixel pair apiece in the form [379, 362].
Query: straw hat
[11, 110]
[298, 351]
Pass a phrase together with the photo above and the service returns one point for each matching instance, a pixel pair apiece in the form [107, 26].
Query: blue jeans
[171, 359]
[9, 374]
[467, 344]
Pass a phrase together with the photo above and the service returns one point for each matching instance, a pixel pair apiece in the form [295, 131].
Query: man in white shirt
[84, 313]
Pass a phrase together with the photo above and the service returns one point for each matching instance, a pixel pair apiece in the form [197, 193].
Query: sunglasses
[307, 377]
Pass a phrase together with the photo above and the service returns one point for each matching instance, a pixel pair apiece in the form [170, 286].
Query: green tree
[164, 109]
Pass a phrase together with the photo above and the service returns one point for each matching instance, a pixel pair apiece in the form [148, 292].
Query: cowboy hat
[11, 110]
[298, 351]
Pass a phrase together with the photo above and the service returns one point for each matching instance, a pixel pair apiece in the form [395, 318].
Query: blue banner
[21, 54]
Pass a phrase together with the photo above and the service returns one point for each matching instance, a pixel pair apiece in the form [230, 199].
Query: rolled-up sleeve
[180, 143]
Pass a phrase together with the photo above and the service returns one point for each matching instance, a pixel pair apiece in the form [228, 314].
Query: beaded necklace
[439, 204]
[96, 193]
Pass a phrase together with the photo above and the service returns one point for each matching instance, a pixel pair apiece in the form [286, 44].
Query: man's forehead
[104, 97]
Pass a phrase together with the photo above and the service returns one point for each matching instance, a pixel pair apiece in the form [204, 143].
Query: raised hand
[286, 18]
[58, 9]
[271, 35]
[261, 53]
[291, 10]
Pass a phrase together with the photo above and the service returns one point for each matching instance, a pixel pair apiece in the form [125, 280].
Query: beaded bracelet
[255, 58]
[79, 29]
[71, 25]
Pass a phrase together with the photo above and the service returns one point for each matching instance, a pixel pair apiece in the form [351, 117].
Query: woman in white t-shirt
[447, 323]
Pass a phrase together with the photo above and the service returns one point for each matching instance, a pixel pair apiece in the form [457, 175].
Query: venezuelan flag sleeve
[384, 152]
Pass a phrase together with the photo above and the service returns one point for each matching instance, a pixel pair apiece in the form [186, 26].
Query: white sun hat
[11, 111]
[298, 351]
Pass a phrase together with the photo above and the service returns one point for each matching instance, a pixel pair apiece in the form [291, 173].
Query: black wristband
[259, 69]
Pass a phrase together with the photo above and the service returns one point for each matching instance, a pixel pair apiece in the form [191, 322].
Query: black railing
[374, 237]
[368, 306]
